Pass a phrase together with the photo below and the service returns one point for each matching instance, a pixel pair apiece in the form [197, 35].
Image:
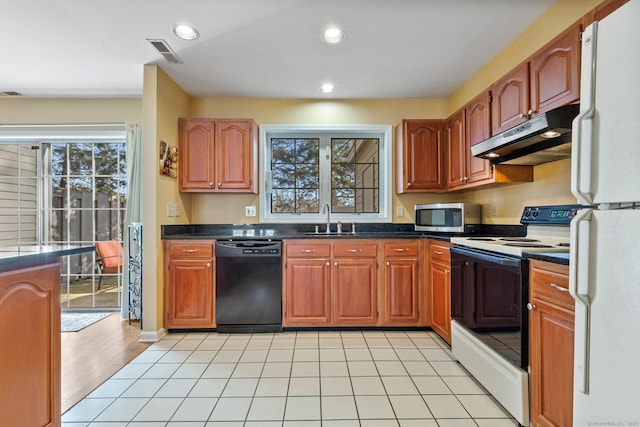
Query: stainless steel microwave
[448, 217]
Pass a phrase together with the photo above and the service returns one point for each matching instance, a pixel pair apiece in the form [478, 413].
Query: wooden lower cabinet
[439, 260]
[30, 339]
[551, 330]
[307, 290]
[189, 288]
[402, 291]
[354, 296]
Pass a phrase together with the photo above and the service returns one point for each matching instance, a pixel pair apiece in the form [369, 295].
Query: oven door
[489, 294]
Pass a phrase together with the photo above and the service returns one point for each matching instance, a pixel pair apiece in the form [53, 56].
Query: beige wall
[163, 103]
[70, 111]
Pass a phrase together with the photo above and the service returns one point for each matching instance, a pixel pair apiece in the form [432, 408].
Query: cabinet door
[555, 72]
[440, 301]
[457, 150]
[307, 292]
[551, 366]
[478, 128]
[420, 156]
[197, 155]
[354, 296]
[401, 291]
[510, 99]
[30, 340]
[236, 148]
[190, 295]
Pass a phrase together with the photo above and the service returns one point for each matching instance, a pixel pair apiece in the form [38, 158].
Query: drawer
[308, 250]
[401, 248]
[191, 250]
[355, 248]
[551, 282]
[439, 251]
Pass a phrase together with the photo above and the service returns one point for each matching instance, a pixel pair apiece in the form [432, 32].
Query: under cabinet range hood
[542, 139]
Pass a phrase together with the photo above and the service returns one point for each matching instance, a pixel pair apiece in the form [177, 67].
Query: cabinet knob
[530, 112]
[521, 116]
[208, 264]
[219, 184]
[408, 184]
[531, 306]
[211, 184]
[328, 263]
[446, 271]
[335, 263]
[388, 263]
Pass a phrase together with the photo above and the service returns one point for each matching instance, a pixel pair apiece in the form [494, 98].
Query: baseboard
[152, 336]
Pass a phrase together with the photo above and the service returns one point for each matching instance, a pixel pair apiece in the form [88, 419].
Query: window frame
[383, 132]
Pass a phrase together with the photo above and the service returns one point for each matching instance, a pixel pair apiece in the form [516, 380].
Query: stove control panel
[550, 215]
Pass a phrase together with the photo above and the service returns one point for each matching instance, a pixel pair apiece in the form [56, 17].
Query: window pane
[107, 158]
[80, 159]
[58, 159]
[307, 176]
[283, 150]
[354, 166]
[307, 150]
[283, 201]
[283, 175]
[308, 201]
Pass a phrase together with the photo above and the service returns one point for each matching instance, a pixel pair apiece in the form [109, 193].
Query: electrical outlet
[249, 211]
[171, 210]
[400, 211]
[494, 208]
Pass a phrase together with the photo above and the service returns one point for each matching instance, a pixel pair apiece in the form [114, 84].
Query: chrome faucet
[328, 209]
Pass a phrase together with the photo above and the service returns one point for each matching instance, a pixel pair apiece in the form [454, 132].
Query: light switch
[400, 211]
[171, 210]
[249, 211]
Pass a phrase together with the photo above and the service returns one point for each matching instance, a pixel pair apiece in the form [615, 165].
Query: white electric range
[547, 231]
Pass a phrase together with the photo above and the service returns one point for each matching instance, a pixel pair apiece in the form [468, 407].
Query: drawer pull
[400, 249]
[307, 251]
[438, 252]
[354, 250]
[190, 251]
[560, 288]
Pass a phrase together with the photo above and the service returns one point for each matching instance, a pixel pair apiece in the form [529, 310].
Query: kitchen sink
[332, 234]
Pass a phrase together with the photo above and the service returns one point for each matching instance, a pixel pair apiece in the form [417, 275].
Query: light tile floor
[292, 379]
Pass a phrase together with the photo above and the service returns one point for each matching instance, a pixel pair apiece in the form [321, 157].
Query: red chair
[110, 258]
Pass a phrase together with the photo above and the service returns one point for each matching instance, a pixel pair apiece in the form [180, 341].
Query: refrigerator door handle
[582, 127]
[579, 290]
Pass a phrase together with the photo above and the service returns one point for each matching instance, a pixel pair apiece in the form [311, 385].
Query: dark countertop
[307, 231]
[554, 257]
[14, 257]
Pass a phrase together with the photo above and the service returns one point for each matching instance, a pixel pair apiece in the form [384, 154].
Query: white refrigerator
[605, 239]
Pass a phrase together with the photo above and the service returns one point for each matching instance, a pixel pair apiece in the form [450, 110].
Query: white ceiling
[257, 48]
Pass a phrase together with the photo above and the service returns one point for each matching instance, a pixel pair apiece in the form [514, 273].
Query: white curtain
[133, 213]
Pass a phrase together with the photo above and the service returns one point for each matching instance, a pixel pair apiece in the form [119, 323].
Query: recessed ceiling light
[185, 32]
[550, 134]
[327, 88]
[493, 155]
[333, 35]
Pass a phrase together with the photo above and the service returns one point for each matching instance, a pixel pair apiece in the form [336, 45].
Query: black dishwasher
[249, 286]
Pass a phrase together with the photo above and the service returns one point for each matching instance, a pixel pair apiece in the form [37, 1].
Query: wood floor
[94, 354]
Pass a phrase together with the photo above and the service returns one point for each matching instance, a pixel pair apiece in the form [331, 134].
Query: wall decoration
[168, 160]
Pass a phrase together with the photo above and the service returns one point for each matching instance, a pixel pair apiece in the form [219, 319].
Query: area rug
[74, 322]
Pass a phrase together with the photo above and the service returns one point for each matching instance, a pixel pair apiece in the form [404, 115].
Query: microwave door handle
[579, 289]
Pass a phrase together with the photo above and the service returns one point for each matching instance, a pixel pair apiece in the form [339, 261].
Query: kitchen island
[30, 333]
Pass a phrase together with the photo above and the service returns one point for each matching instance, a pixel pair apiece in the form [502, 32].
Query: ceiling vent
[165, 50]
[10, 93]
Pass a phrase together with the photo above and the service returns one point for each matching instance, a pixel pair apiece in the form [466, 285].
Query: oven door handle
[484, 256]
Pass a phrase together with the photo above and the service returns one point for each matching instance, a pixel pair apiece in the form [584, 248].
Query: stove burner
[518, 239]
[528, 245]
[482, 239]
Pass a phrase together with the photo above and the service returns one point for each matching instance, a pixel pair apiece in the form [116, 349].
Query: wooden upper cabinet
[237, 155]
[478, 128]
[420, 156]
[218, 155]
[510, 99]
[456, 149]
[197, 156]
[555, 72]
